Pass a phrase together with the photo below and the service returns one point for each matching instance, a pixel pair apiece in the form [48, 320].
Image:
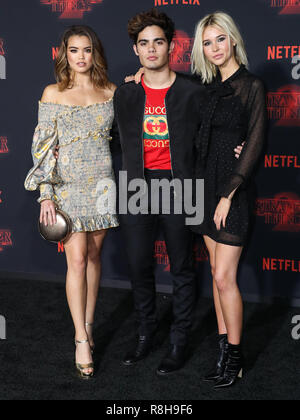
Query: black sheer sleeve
[257, 122]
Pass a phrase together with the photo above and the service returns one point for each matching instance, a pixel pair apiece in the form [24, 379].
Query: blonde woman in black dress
[236, 111]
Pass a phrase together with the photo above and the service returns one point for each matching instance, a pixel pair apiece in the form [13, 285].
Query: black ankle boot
[233, 369]
[174, 360]
[140, 352]
[219, 370]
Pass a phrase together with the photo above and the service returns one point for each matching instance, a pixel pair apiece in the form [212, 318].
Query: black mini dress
[236, 112]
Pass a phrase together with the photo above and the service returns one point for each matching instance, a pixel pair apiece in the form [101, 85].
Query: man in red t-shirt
[156, 131]
[153, 44]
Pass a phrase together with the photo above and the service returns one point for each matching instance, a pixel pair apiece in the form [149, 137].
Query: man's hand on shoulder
[137, 78]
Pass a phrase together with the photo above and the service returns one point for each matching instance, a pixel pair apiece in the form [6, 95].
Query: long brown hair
[63, 72]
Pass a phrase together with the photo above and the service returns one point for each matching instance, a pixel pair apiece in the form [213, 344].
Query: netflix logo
[282, 52]
[282, 161]
[55, 53]
[277, 264]
[5, 239]
[60, 248]
[176, 3]
[3, 145]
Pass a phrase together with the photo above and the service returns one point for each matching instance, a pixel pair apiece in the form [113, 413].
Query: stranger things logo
[3, 146]
[286, 7]
[5, 239]
[162, 258]
[180, 59]
[71, 9]
[282, 212]
[284, 106]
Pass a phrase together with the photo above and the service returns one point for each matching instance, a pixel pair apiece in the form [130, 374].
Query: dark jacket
[184, 103]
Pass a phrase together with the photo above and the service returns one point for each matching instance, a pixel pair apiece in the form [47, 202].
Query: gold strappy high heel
[88, 324]
[80, 368]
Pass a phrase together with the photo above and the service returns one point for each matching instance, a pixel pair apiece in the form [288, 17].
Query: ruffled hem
[93, 224]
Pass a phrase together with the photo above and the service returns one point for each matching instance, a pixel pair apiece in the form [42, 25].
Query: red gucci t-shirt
[156, 132]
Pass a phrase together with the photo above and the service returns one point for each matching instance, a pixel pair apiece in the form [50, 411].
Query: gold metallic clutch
[59, 232]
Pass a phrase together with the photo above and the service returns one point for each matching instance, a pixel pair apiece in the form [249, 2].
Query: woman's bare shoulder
[50, 94]
[112, 88]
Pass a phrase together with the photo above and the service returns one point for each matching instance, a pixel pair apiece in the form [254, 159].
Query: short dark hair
[152, 18]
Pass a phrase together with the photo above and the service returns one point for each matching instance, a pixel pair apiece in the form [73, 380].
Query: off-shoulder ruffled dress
[81, 182]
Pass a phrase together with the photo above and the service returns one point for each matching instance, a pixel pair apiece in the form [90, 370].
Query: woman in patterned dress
[76, 114]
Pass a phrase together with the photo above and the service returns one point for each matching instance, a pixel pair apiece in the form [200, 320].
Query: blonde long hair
[63, 74]
[200, 64]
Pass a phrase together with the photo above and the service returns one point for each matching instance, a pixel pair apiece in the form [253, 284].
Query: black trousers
[140, 233]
